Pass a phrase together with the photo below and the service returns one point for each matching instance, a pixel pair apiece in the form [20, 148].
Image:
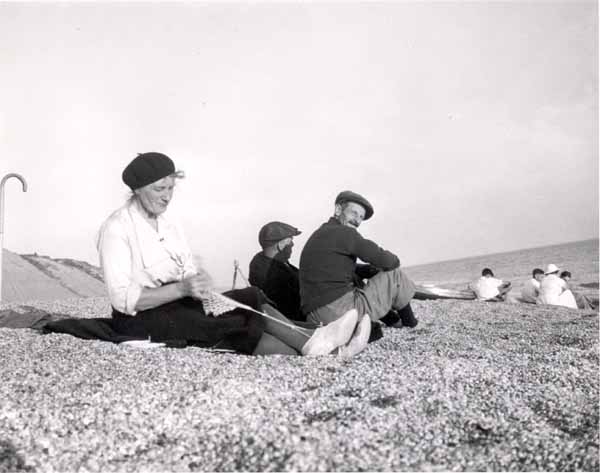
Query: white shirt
[486, 287]
[133, 255]
[551, 288]
[530, 290]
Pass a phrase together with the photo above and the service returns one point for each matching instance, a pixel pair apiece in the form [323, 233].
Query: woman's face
[155, 197]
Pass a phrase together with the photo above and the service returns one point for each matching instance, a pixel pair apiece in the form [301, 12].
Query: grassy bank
[476, 386]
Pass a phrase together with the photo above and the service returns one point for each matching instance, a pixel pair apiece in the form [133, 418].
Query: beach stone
[475, 386]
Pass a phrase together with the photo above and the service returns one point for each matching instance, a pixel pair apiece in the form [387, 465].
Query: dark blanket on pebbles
[177, 324]
[45, 322]
[28, 317]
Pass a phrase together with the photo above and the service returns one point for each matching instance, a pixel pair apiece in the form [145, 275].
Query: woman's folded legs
[270, 345]
[320, 341]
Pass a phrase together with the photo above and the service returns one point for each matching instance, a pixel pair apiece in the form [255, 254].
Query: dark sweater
[279, 281]
[328, 263]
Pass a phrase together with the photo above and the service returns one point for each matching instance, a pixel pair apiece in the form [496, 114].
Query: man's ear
[338, 210]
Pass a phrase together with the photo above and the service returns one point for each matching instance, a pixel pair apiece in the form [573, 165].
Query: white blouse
[554, 291]
[133, 255]
[551, 288]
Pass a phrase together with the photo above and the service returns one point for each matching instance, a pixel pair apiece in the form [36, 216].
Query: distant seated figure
[271, 270]
[531, 289]
[489, 288]
[554, 290]
[581, 300]
[566, 276]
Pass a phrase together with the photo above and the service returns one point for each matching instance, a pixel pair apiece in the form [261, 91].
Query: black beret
[147, 168]
[349, 196]
[273, 232]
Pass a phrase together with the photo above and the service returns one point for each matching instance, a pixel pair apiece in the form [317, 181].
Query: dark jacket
[279, 281]
[328, 263]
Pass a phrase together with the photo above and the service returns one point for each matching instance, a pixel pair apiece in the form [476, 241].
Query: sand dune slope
[35, 277]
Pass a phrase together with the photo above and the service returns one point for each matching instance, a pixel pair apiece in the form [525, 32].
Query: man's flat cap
[349, 196]
[147, 168]
[273, 232]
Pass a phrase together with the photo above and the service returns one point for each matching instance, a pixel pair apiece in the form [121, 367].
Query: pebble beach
[475, 386]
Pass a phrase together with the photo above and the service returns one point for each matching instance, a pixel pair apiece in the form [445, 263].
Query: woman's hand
[199, 285]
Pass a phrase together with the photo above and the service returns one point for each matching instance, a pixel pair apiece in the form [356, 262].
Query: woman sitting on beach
[583, 302]
[156, 290]
[554, 290]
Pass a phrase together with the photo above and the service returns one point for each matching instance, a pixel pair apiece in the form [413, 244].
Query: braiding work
[216, 304]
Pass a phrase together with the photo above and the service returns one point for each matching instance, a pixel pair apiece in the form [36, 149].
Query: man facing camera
[331, 280]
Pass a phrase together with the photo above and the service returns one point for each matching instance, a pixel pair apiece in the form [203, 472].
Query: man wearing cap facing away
[271, 270]
[331, 280]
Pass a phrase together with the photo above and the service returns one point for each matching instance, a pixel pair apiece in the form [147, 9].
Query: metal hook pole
[2, 182]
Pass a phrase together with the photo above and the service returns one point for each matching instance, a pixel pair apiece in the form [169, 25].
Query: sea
[578, 257]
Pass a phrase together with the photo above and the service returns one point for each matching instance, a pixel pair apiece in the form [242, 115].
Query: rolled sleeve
[116, 261]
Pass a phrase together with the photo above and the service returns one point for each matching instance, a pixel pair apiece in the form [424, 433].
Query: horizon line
[408, 266]
[501, 252]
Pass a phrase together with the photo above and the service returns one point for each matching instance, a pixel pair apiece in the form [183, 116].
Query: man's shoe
[391, 318]
[326, 339]
[407, 318]
[359, 340]
[376, 331]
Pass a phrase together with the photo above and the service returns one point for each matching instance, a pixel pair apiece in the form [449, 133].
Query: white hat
[551, 268]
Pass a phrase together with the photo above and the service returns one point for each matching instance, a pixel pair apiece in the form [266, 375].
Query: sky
[472, 127]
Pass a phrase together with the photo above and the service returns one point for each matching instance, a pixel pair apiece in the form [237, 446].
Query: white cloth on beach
[133, 255]
[486, 287]
[530, 291]
[553, 291]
